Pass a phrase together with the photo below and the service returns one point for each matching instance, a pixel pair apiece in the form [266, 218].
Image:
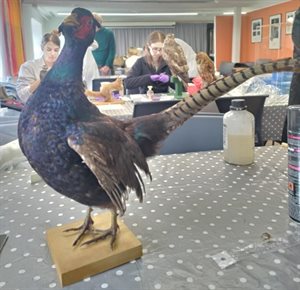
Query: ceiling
[206, 9]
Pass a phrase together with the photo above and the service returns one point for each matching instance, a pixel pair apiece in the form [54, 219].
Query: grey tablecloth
[195, 207]
[272, 122]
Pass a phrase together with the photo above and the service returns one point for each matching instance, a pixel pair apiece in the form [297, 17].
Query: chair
[147, 108]
[202, 132]
[255, 105]
[226, 68]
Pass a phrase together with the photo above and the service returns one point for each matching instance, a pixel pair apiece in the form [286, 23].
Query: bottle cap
[238, 104]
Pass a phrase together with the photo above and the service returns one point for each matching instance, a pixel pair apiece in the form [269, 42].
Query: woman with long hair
[151, 69]
[32, 72]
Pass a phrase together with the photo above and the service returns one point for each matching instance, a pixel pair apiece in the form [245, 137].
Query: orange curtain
[12, 26]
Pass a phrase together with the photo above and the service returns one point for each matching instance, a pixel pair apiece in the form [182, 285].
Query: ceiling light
[140, 24]
[141, 14]
[232, 13]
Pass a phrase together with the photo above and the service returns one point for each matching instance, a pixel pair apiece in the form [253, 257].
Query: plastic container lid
[238, 104]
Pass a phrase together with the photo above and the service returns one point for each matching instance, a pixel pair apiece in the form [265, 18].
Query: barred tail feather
[190, 105]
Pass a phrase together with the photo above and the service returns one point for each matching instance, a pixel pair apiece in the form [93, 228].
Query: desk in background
[195, 207]
[272, 120]
[119, 111]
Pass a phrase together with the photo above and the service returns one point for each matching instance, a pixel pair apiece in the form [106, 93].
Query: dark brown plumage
[175, 58]
[86, 155]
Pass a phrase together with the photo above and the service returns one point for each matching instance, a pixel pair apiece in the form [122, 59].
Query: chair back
[226, 68]
[255, 105]
[202, 132]
[147, 108]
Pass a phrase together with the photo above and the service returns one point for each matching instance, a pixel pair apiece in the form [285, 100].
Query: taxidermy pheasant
[88, 156]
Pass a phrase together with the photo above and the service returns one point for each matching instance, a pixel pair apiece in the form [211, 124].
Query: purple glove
[164, 78]
[154, 78]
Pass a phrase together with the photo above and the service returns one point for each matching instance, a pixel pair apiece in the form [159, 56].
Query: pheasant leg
[85, 227]
[112, 231]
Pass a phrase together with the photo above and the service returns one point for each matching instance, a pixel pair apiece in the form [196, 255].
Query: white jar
[238, 134]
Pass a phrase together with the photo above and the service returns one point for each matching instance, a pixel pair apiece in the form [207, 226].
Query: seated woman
[33, 71]
[151, 69]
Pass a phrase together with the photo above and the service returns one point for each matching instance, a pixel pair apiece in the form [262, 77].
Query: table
[272, 119]
[195, 207]
[120, 111]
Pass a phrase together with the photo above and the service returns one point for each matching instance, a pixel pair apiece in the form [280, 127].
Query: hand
[154, 78]
[104, 70]
[164, 78]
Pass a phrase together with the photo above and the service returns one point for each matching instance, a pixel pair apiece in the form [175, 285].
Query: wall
[250, 52]
[193, 33]
[29, 12]
[223, 39]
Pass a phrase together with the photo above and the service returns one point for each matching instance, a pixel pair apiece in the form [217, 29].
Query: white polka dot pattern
[195, 207]
[272, 122]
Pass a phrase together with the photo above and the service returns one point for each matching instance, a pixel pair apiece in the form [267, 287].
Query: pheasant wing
[112, 157]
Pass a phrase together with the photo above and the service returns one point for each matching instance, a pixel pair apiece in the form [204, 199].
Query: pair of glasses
[156, 48]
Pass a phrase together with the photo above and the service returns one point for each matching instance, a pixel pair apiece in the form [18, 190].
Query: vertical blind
[194, 34]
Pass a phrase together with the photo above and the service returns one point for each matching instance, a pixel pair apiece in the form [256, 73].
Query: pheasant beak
[71, 20]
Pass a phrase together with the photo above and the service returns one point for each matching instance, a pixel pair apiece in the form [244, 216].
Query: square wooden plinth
[76, 263]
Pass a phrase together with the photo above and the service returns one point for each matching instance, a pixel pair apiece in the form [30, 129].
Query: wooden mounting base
[76, 263]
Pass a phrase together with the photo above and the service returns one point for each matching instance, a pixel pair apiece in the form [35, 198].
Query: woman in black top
[151, 69]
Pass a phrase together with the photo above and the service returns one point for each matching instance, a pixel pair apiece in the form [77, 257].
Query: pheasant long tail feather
[190, 105]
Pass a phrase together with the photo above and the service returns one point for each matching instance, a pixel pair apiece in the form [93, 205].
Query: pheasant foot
[87, 226]
[112, 231]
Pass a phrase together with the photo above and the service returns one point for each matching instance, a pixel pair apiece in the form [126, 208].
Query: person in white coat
[90, 69]
[190, 57]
